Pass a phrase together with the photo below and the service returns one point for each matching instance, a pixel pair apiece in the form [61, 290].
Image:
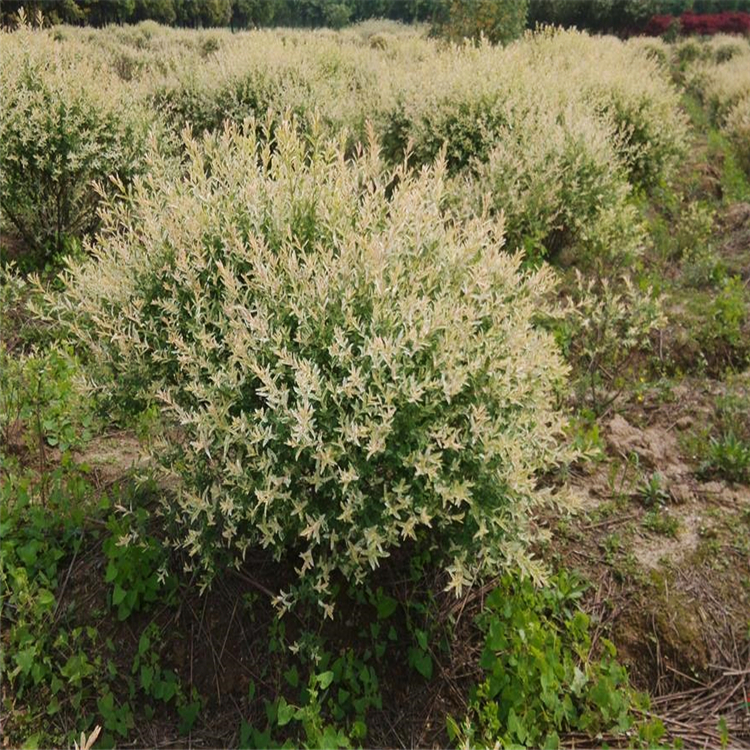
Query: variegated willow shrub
[724, 87]
[325, 76]
[422, 96]
[737, 128]
[64, 124]
[561, 187]
[340, 367]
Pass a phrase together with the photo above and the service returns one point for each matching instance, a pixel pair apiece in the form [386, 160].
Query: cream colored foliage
[343, 369]
[725, 87]
[558, 185]
[722, 85]
[737, 127]
[408, 79]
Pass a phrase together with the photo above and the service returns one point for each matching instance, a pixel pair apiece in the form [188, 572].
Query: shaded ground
[218, 643]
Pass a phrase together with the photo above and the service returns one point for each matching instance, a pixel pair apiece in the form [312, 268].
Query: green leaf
[325, 679]
[271, 711]
[46, 599]
[386, 606]
[25, 659]
[168, 690]
[600, 694]
[32, 743]
[516, 726]
[118, 594]
[106, 705]
[285, 713]
[147, 677]
[579, 681]
[292, 677]
[496, 640]
[28, 553]
[421, 661]
[454, 731]
[188, 715]
[359, 730]
[246, 732]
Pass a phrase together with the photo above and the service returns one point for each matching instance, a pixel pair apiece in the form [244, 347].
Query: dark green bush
[542, 679]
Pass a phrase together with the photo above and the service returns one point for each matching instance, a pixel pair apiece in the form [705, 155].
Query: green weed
[728, 457]
[541, 678]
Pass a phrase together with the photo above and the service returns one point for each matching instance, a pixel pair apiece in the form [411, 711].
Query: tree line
[233, 13]
[500, 20]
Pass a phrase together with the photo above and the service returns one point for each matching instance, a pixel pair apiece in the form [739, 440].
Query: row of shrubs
[559, 155]
[722, 84]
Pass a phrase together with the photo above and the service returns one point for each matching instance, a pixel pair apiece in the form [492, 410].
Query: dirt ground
[676, 604]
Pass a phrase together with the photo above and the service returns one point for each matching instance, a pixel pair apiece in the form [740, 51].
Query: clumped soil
[677, 604]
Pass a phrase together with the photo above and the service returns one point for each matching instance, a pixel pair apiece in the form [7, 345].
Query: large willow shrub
[307, 72]
[64, 125]
[339, 368]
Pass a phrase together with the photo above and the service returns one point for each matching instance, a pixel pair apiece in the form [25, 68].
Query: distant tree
[336, 15]
[187, 13]
[496, 20]
[102, 12]
[407, 11]
[161, 11]
[247, 13]
[238, 13]
[199, 13]
[53, 11]
[67, 11]
[215, 12]
[597, 15]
